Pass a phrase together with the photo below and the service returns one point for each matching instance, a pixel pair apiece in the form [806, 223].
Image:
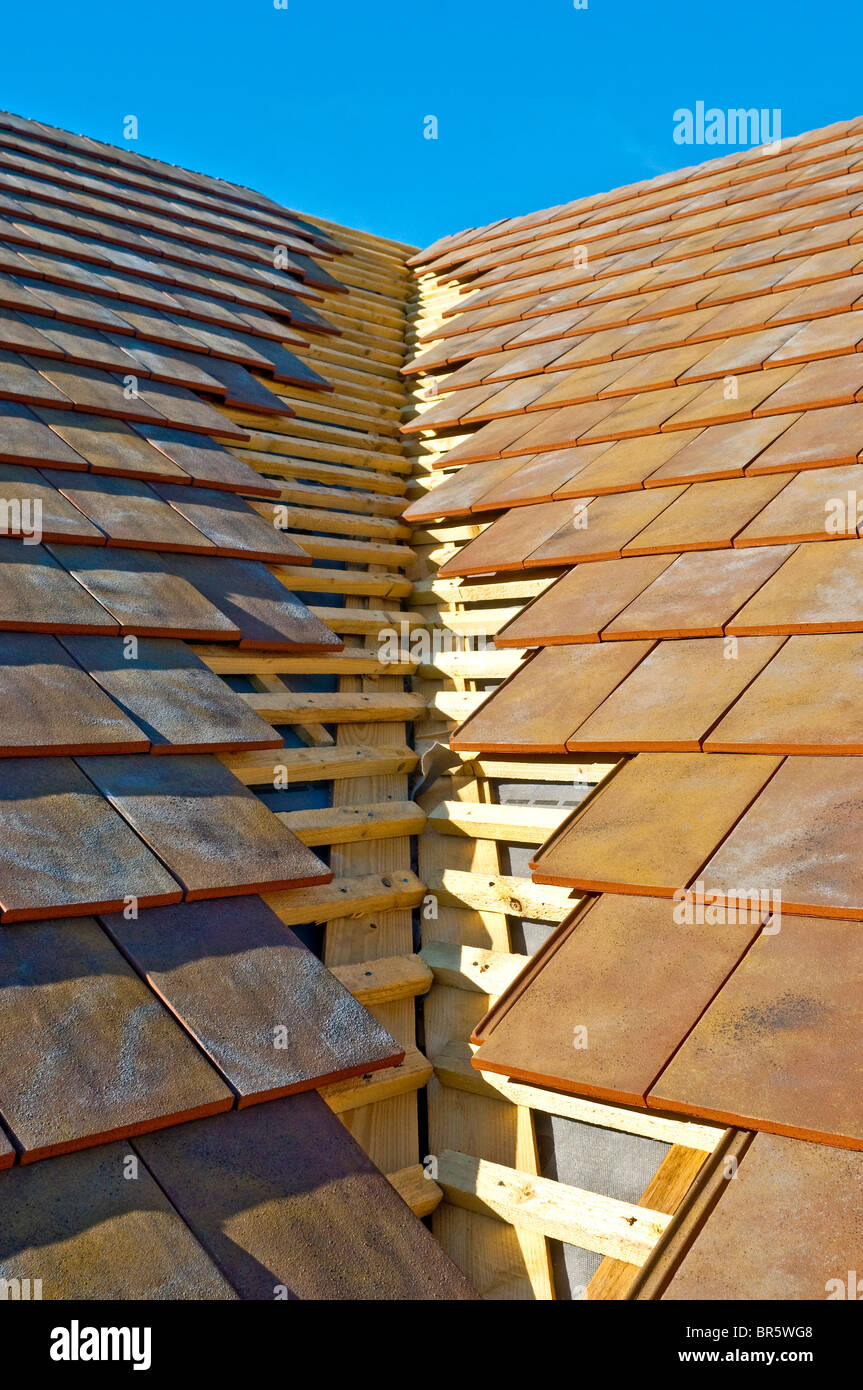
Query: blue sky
[322, 105]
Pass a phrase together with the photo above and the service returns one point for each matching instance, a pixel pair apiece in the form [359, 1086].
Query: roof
[155, 1006]
[651, 403]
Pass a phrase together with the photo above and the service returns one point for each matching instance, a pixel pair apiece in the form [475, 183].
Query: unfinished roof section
[643, 412]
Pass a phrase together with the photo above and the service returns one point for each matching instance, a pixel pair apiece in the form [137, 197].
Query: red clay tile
[574, 679]
[602, 529]
[267, 981]
[653, 824]
[128, 512]
[511, 538]
[786, 1027]
[790, 708]
[817, 439]
[588, 1022]
[89, 1054]
[281, 1196]
[174, 699]
[807, 1192]
[135, 590]
[580, 604]
[81, 1227]
[65, 851]
[795, 839]
[722, 451]
[707, 516]
[699, 594]
[819, 589]
[38, 595]
[674, 697]
[218, 838]
[53, 707]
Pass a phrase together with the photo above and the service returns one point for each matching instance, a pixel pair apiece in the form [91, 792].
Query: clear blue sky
[322, 105]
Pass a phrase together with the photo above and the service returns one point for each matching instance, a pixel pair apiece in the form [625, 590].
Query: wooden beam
[347, 897]
[411, 1075]
[416, 1188]
[472, 967]
[298, 707]
[524, 825]
[288, 766]
[516, 897]
[385, 979]
[559, 1212]
[232, 661]
[316, 579]
[665, 1192]
[344, 825]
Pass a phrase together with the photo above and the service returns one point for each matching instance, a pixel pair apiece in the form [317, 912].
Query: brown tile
[282, 1197]
[644, 413]
[90, 389]
[51, 706]
[25, 439]
[744, 353]
[85, 1231]
[811, 506]
[129, 512]
[22, 380]
[137, 591]
[510, 539]
[785, 1028]
[20, 333]
[715, 406]
[674, 697]
[835, 381]
[38, 595]
[584, 384]
[838, 333]
[232, 526]
[627, 464]
[107, 446]
[34, 507]
[603, 974]
[267, 614]
[89, 1054]
[654, 823]
[538, 477]
[86, 346]
[602, 530]
[707, 516]
[490, 441]
[817, 439]
[699, 594]
[791, 708]
[205, 462]
[809, 1193]
[797, 839]
[174, 699]
[820, 589]
[216, 837]
[456, 493]
[272, 1018]
[505, 398]
[558, 429]
[580, 604]
[536, 709]
[722, 451]
[658, 370]
[65, 851]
